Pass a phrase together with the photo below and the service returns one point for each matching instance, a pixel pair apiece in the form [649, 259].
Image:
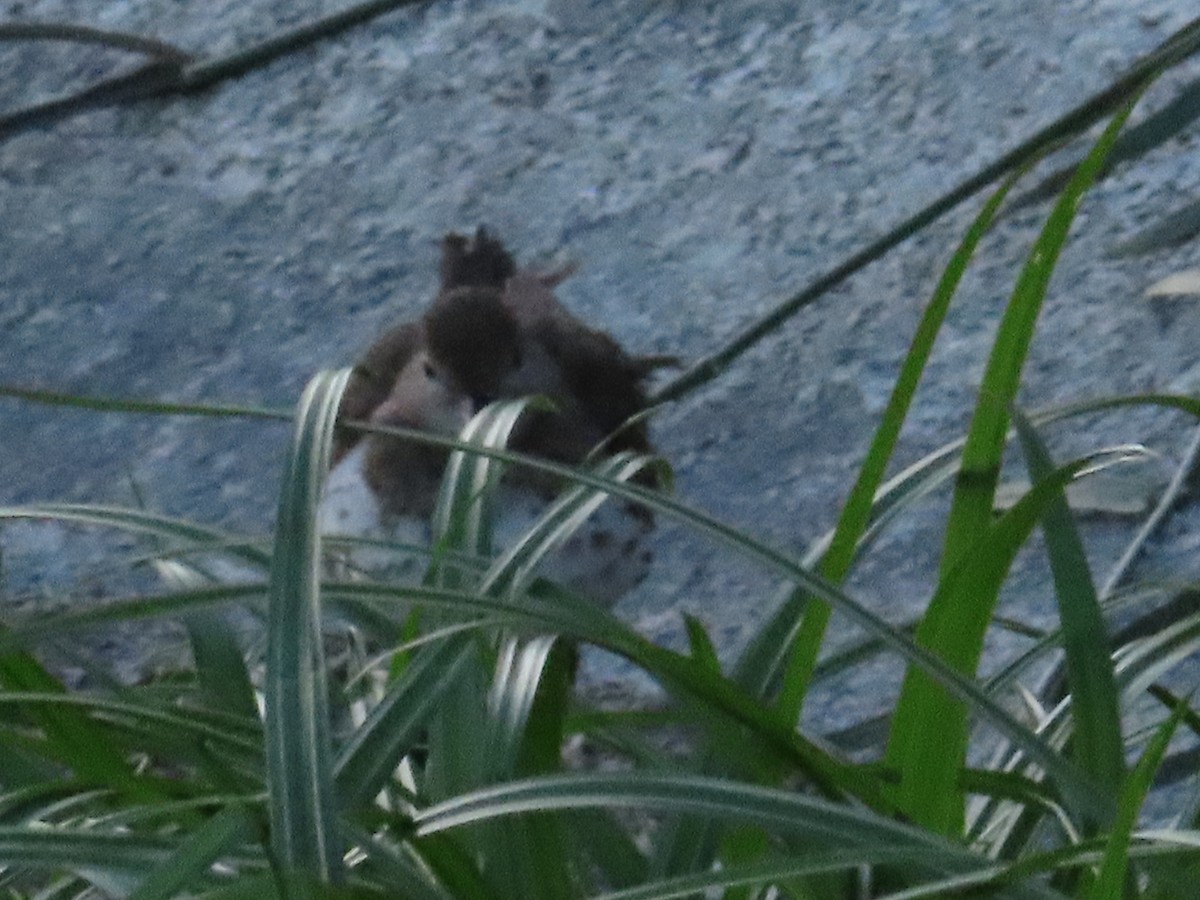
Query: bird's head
[470, 348]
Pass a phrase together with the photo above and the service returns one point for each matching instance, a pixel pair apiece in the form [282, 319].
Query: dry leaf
[1186, 282]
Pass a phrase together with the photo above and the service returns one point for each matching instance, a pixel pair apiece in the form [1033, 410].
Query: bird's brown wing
[604, 381]
[531, 299]
[372, 379]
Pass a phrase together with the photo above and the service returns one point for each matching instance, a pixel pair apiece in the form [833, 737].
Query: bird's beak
[464, 411]
[450, 418]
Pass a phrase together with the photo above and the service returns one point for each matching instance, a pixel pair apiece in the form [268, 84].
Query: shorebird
[494, 332]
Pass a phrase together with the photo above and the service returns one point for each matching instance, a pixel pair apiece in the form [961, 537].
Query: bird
[493, 332]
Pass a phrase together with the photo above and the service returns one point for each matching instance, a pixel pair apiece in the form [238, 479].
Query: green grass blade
[700, 644]
[146, 407]
[1110, 884]
[515, 569]
[565, 614]
[135, 521]
[230, 733]
[926, 475]
[820, 826]
[25, 767]
[527, 703]
[1149, 658]
[582, 622]
[607, 845]
[1149, 845]
[116, 860]
[299, 768]
[975, 492]
[245, 887]
[462, 524]
[515, 686]
[1098, 747]
[527, 858]
[527, 711]
[856, 513]
[1019, 666]
[69, 735]
[370, 756]
[185, 867]
[586, 623]
[392, 866]
[130, 609]
[800, 864]
[216, 653]
[955, 623]
[453, 865]
[220, 666]
[457, 749]
[1151, 133]
[1138, 666]
[462, 517]
[784, 810]
[931, 790]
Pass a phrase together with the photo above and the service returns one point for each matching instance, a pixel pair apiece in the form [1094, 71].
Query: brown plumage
[458, 355]
[481, 264]
[466, 342]
[494, 332]
[599, 386]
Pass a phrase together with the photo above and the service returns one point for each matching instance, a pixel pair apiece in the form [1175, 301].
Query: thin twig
[1175, 49]
[205, 74]
[1053, 685]
[159, 81]
[1134, 143]
[82, 34]
[148, 80]
[1184, 473]
[175, 76]
[99, 403]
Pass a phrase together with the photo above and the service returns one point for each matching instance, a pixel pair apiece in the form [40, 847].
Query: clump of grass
[398, 740]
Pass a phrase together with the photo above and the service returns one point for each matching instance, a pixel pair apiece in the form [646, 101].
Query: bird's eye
[430, 372]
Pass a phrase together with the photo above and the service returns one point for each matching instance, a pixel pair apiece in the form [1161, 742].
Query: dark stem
[1174, 50]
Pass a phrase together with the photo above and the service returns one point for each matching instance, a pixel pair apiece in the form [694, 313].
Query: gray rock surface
[700, 160]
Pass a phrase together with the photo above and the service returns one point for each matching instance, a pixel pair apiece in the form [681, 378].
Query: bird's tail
[479, 261]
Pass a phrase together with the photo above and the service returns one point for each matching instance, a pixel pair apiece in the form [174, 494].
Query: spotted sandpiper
[494, 332]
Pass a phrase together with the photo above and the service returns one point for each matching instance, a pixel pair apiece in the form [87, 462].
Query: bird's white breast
[608, 556]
